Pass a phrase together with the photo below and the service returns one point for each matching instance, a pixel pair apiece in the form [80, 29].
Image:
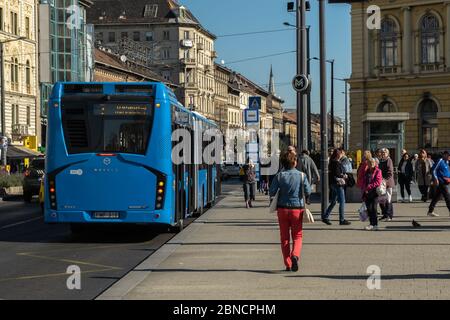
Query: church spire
[271, 83]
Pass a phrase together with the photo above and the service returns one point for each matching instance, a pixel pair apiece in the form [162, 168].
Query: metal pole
[302, 101]
[2, 92]
[332, 105]
[309, 146]
[2, 107]
[304, 70]
[346, 118]
[299, 63]
[323, 110]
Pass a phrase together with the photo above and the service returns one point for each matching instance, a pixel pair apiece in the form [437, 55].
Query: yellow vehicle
[41, 194]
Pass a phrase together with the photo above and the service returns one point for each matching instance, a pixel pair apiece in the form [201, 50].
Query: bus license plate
[106, 215]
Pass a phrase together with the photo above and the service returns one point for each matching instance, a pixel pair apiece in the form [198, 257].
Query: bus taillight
[160, 188]
[52, 194]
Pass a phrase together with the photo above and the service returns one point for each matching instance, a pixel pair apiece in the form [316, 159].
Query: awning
[19, 152]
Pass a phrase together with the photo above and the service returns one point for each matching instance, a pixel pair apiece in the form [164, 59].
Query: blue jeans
[337, 194]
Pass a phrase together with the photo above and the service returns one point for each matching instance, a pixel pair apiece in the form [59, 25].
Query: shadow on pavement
[383, 277]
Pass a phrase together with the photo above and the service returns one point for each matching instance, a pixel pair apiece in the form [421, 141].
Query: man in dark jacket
[387, 169]
[309, 168]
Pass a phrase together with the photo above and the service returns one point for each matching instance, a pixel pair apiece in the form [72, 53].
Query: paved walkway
[234, 253]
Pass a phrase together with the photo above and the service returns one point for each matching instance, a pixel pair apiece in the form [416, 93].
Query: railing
[20, 129]
[188, 61]
[430, 67]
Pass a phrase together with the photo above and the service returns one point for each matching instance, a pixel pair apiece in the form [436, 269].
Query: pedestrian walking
[337, 182]
[361, 172]
[405, 176]
[387, 169]
[423, 173]
[307, 166]
[372, 180]
[249, 179]
[441, 179]
[291, 185]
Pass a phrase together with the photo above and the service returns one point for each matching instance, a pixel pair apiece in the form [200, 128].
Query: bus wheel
[27, 196]
[178, 227]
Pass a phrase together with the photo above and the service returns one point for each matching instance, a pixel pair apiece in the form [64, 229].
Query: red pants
[290, 220]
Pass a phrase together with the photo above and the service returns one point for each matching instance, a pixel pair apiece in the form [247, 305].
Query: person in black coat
[405, 176]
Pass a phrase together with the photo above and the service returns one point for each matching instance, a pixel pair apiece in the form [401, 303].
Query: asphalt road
[34, 256]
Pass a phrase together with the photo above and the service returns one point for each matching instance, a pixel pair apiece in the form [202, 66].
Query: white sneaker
[432, 214]
[410, 199]
[372, 228]
[402, 200]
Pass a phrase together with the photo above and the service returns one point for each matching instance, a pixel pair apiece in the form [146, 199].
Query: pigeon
[416, 224]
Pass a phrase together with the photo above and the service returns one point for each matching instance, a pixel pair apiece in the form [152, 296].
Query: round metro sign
[300, 83]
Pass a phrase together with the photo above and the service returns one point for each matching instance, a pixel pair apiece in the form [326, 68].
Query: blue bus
[109, 157]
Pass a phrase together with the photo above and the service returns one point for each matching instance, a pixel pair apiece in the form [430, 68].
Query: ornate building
[18, 34]
[401, 76]
[180, 49]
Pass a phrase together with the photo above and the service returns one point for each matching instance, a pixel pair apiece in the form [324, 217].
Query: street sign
[300, 83]
[251, 116]
[254, 102]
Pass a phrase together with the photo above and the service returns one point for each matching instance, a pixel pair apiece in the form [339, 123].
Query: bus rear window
[98, 126]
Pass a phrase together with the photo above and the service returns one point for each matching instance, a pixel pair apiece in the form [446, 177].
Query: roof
[108, 59]
[21, 152]
[290, 117]
[141, 11]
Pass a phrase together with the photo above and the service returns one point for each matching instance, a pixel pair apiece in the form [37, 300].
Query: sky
[230, 17]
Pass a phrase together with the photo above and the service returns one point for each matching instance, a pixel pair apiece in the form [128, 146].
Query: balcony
[430, 67]
[388, 70]
[186, 43]
[188, 61]
[19, 129]
[214, 54]
[200, 46]
[191, 85]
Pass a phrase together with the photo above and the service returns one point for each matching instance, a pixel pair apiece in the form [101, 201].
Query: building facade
[65, 47]
[18, 34]
[221, 79]
[178, 47]
[400, 79]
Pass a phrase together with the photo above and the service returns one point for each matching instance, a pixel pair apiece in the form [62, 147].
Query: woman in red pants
[292, 186]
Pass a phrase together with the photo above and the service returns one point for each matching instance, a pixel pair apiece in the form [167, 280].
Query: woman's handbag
[307, 216]
[350, 180]
[382, 188]
[363, 214]
[274, 202]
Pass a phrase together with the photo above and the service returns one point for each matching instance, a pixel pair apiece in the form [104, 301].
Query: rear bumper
[148, 217]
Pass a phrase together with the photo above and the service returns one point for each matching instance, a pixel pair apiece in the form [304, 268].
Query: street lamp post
[345, 138]
[2, 92]
[323, 110]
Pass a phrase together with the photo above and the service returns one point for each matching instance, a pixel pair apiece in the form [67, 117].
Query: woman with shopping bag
[372, 181]
[289, 188]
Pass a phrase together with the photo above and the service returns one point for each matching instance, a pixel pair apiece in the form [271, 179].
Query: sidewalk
[234, 253]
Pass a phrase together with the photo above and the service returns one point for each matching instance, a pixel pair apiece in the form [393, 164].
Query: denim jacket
[292, 189]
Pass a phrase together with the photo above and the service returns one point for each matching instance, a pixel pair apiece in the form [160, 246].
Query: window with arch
[28, 76]
[386, 106]
[429, 28]
[428, 110]
[389, 43]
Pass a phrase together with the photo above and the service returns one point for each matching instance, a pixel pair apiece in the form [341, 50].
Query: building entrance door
[386, 134]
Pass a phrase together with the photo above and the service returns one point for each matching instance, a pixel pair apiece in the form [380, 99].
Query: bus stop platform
[233, 253]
